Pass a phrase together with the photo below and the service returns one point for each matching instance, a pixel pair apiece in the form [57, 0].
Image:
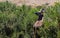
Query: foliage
[19, 20]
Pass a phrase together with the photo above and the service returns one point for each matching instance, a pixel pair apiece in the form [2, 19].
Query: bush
[20, 20]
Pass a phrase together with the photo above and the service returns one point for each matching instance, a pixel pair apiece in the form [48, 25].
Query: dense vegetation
[17, 21]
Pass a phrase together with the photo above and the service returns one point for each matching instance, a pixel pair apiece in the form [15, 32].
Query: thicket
[18, 21]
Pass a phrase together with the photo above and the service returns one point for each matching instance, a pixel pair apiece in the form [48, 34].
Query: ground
[32, 2]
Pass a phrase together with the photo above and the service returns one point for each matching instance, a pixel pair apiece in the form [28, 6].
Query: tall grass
[21, 19]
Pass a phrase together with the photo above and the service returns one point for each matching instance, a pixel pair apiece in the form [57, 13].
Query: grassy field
[17, 21]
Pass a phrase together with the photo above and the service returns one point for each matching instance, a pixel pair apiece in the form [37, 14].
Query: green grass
[22, 18]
